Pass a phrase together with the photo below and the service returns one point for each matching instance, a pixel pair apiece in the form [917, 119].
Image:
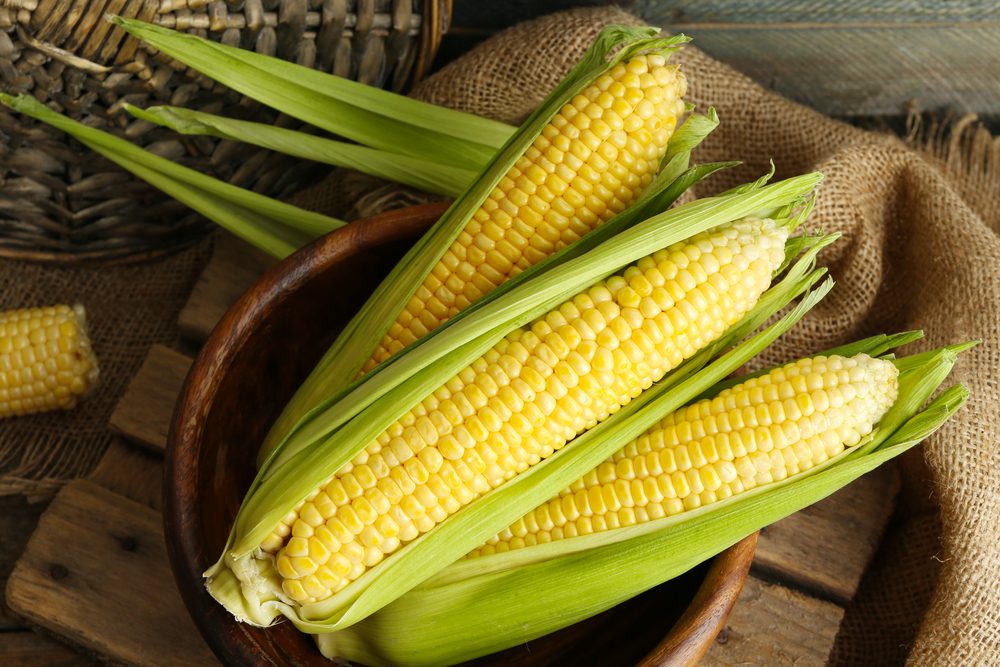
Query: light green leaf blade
[370, 116]
[416, 172]
[274, 226]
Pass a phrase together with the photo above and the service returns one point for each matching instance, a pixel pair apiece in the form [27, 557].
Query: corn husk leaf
[280, 487]
[274, 226]
[344, 359]
[453, 616]
[367, 115]
[416, 172]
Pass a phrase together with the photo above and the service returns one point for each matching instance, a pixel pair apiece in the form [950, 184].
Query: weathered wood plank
[773, 625]
[235, 266]
[826, 548]
[132, 472]
[144, 411]
[864, 71]
[29, 649]
[18, 518]
[843, 59]
[117, 596]
[933, 12]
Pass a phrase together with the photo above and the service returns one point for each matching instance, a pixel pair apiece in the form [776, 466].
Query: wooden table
[94, 572]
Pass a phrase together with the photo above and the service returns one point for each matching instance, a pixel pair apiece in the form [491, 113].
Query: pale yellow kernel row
[760, 431]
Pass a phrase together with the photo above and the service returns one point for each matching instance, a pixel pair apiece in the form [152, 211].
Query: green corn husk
[240, 579]
[342, 362]
[453, 616]
[271, 225]
[367, 115]
[416, 172]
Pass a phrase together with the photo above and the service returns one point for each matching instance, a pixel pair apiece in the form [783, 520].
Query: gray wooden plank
[825, 549]
[144, 411]
[234, 267]
[18, 519]
[817, 11]
[846, 71]
[112, 593]
[774, 625]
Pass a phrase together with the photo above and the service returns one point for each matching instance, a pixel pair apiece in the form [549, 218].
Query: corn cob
[761, 431]
[46, 362]
[533, 392]
[589, 163]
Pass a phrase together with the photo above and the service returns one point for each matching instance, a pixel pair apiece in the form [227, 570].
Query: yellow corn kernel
[690, 468]
[558, 400]
[614, 136]
[46, 360]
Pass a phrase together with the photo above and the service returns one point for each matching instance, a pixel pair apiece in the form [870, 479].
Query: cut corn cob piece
[46, 362]
[534, 391]
[761, 431]
[589, 163]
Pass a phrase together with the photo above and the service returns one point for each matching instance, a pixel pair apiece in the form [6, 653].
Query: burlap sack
[129, 307]
[920, 250]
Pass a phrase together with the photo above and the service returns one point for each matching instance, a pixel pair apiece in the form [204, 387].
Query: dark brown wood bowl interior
[248, 369]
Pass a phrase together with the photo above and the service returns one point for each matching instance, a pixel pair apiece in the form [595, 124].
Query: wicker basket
[60, 202]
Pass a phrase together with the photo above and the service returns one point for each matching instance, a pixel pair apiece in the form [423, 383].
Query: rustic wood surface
[849, 59]
[144, 411]
[95, 573]
[234, 267]
[774, 625]
[825, 548]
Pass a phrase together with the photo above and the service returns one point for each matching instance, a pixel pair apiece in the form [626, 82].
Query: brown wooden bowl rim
[702, 620]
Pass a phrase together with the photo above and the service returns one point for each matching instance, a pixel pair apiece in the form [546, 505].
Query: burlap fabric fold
[920, 249]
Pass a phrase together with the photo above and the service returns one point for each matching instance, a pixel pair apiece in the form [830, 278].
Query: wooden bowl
[249, 367]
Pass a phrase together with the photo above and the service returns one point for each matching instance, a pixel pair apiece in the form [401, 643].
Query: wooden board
[134, 473]
[96, 573]
[18, 518]
[24, 648]
[826, 548]
[234, 266]
[143, 413]
[843, 58]
[774, 625]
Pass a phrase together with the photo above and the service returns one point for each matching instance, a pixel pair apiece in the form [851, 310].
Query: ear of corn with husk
[385, 395]
[526, 204]
[452, 616]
